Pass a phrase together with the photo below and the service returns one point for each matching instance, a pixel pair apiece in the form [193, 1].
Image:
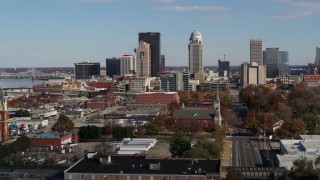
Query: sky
[59, 33]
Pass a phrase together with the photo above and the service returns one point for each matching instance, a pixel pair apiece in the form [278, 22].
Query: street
[245, 152]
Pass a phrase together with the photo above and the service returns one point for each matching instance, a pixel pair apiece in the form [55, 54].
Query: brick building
[157, 98]
[136, 167]
[102, 84]
[53, 139]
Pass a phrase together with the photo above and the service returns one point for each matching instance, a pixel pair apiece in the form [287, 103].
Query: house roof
[194, 113]
[135, 164]
[50, 135]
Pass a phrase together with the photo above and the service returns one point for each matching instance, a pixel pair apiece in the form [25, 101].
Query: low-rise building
[121, 167]
[54, 139]
[292, 149]
[157, 98]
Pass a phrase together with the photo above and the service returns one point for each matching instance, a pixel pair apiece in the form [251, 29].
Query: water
[19, 83]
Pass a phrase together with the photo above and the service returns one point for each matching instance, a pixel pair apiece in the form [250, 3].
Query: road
[245, 151]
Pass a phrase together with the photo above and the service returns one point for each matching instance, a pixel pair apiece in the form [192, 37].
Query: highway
[245, 152]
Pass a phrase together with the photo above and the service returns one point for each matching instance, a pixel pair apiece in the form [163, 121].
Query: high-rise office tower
[113, 66]
[284, 68]
[186, 81]
[4, 117]
[127, 64]
[256, 51]
[223, 67]
[162, 62]
[317, 62]
[153, 38]
[195, 52]
[143, 54]
[276, 62]
[86, 70]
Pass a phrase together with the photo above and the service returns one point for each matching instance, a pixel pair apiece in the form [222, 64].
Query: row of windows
[105, 177]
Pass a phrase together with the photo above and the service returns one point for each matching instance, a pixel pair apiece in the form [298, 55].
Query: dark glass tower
[85, 70]
[153, 38]
[113, 66]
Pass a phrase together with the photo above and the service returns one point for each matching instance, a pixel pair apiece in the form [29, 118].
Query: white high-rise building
[143, 54]
[317, 62]
[256, 51]
[253, 74]
[195, 52]
[127, 64]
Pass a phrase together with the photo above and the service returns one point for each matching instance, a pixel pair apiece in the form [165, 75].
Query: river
[19, 83]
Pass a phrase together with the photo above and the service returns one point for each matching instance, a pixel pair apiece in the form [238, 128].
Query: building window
[176, 178]
[128, 177]
[164, 178]
[81, 176]
[140, 178]
[117, 177]
[151, 177]
[200, 178]
[70, 176]
[105, 177]
[188, 177]
[93, 177]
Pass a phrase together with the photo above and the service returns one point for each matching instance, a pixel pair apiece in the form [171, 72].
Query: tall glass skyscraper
[153, 38]
[86, 70]
[195, 52]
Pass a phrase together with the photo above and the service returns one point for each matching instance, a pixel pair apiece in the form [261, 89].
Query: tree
[179, 144]
[313, 122]
[63, 124]
[226, 99]
[119, 132]
[89, 133]
[22, 113]
[152, 129]
[292, 128]
[303, 168]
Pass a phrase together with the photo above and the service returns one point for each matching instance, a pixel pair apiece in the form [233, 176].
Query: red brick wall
[157, 98]
[55, 142]
[101, 84]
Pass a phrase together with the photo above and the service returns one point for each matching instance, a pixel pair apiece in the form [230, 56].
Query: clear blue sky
[58, 33]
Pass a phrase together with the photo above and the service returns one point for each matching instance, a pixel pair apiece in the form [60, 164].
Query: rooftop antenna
[224, 57]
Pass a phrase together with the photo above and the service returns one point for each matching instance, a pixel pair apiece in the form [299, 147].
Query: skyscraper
[256, 51]
[162, 62]
[317, 62]
[153, 38]
[195, 52]
[127, 64]
[143, 59]
[276, 61]
[223, 67]
[252, 74]
[4, 134]
[85, 70]
[113, 66]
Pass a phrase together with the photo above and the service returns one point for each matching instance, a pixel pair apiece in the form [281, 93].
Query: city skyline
[59, 33]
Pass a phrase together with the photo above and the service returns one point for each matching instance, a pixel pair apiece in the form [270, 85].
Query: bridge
[54, 90]
[31, 73]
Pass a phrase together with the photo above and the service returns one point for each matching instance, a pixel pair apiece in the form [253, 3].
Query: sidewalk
[226, 158]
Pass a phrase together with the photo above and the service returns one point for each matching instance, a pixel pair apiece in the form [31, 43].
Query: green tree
[226, 99]
[119, 132]
[313, 122]
[89, 132]
[179, 144]
[303, 168]
[152, 129]
[22, 113]
[63, 124]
